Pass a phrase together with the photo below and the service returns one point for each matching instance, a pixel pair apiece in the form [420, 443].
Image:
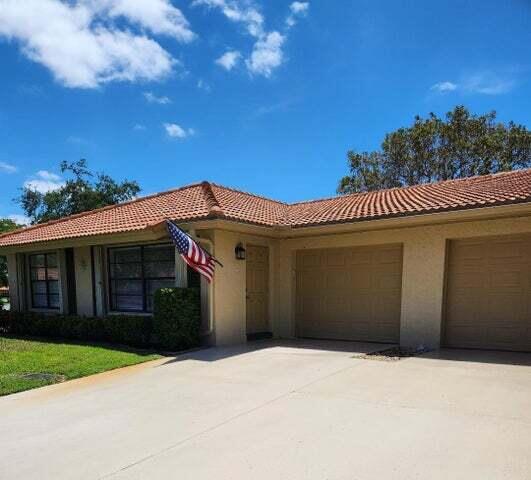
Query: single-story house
[446, 263]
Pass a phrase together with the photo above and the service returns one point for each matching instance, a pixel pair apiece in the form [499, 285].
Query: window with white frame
[136, 272]
[44, 281]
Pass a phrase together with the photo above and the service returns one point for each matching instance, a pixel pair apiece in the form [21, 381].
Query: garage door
[350, 293]
[489, 293]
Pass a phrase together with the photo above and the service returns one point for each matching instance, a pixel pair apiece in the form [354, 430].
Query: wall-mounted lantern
[239, 252]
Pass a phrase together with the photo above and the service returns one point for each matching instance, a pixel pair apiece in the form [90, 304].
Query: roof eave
[157, 230]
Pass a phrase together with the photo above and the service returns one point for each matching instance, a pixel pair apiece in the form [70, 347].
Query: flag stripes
[191, 252]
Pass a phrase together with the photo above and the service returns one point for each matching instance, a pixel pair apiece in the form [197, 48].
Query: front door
[257, 293]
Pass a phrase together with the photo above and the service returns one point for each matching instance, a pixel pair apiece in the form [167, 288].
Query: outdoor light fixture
[239, 251]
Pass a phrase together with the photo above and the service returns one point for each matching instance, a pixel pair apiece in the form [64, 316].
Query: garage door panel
[361, 278]
[361, 256]
[310, 283]
[468, 335]
[501, 253]
[386, 256]
[503, 336]
[488, 293]
[505, 309]
[463, 311]
[336, 258]
[468, 252]
[336, 279]
[336, 307]
[359, 291]
[309, 260]
[471, 279]
[387, 281]
[361, 307]
[507, 279]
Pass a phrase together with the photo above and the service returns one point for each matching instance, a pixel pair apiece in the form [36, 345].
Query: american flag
[195, 256]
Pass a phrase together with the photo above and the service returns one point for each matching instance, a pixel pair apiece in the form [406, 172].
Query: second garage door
[350, 293]
[488, 301]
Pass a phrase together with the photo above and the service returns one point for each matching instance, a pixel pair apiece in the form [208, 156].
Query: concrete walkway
[279, 411]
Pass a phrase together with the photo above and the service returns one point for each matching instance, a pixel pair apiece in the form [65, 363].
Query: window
[44, 281]
[135, 273]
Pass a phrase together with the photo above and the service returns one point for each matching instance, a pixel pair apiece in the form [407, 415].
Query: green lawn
[26, 364]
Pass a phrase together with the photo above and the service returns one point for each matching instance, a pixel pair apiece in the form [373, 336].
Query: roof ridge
[408, 187]
[96, 210]
[262, 197]
[213, 205]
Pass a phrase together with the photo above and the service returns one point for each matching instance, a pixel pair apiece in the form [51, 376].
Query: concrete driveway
[279, 411]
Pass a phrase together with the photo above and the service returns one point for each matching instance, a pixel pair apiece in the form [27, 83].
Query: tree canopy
[83, 191]
[6, 225]
[460, 145]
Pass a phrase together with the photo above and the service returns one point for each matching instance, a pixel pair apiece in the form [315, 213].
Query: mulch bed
[391, 354]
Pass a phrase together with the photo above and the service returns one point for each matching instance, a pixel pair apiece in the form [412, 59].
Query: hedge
[177, 318]
[122, 329]
[174, 326]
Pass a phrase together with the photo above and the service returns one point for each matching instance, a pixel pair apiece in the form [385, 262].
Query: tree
[82, 192]
[461, 145]
[6, 225]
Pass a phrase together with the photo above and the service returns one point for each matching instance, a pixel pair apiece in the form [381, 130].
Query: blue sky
[262, 96]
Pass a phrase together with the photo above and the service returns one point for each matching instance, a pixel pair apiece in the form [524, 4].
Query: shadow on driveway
[314, 347]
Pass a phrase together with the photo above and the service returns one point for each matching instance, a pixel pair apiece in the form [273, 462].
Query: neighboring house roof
[208, 201]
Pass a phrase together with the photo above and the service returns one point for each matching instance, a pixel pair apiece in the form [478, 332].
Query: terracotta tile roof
[474, 192]
[193, 202]
[207, 200]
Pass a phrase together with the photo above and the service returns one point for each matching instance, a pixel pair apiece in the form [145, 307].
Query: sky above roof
[262, 96]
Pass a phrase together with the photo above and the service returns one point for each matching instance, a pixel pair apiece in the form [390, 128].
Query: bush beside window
[174, 326]
[177, 318]
[121, 329]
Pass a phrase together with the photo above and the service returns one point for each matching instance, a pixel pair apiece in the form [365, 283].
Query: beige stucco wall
[424, 248]
[230, 284]
[423, 270]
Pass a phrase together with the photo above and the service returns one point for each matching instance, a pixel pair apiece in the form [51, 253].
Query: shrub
[133, 330]
[175, 324]
[177, 318]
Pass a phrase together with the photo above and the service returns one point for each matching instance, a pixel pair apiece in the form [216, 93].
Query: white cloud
[176, 131]
[236, 12]
[266, 55]
[19, 219]
[229, 59]
[83, 46]
[443, 87]
[487, 83]
[152, 98]
[7, 167]
[298, 9]
[202, 85]
[44, 181]
[483, 83]
[46, 175]
[158, 16]
[138, 127]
